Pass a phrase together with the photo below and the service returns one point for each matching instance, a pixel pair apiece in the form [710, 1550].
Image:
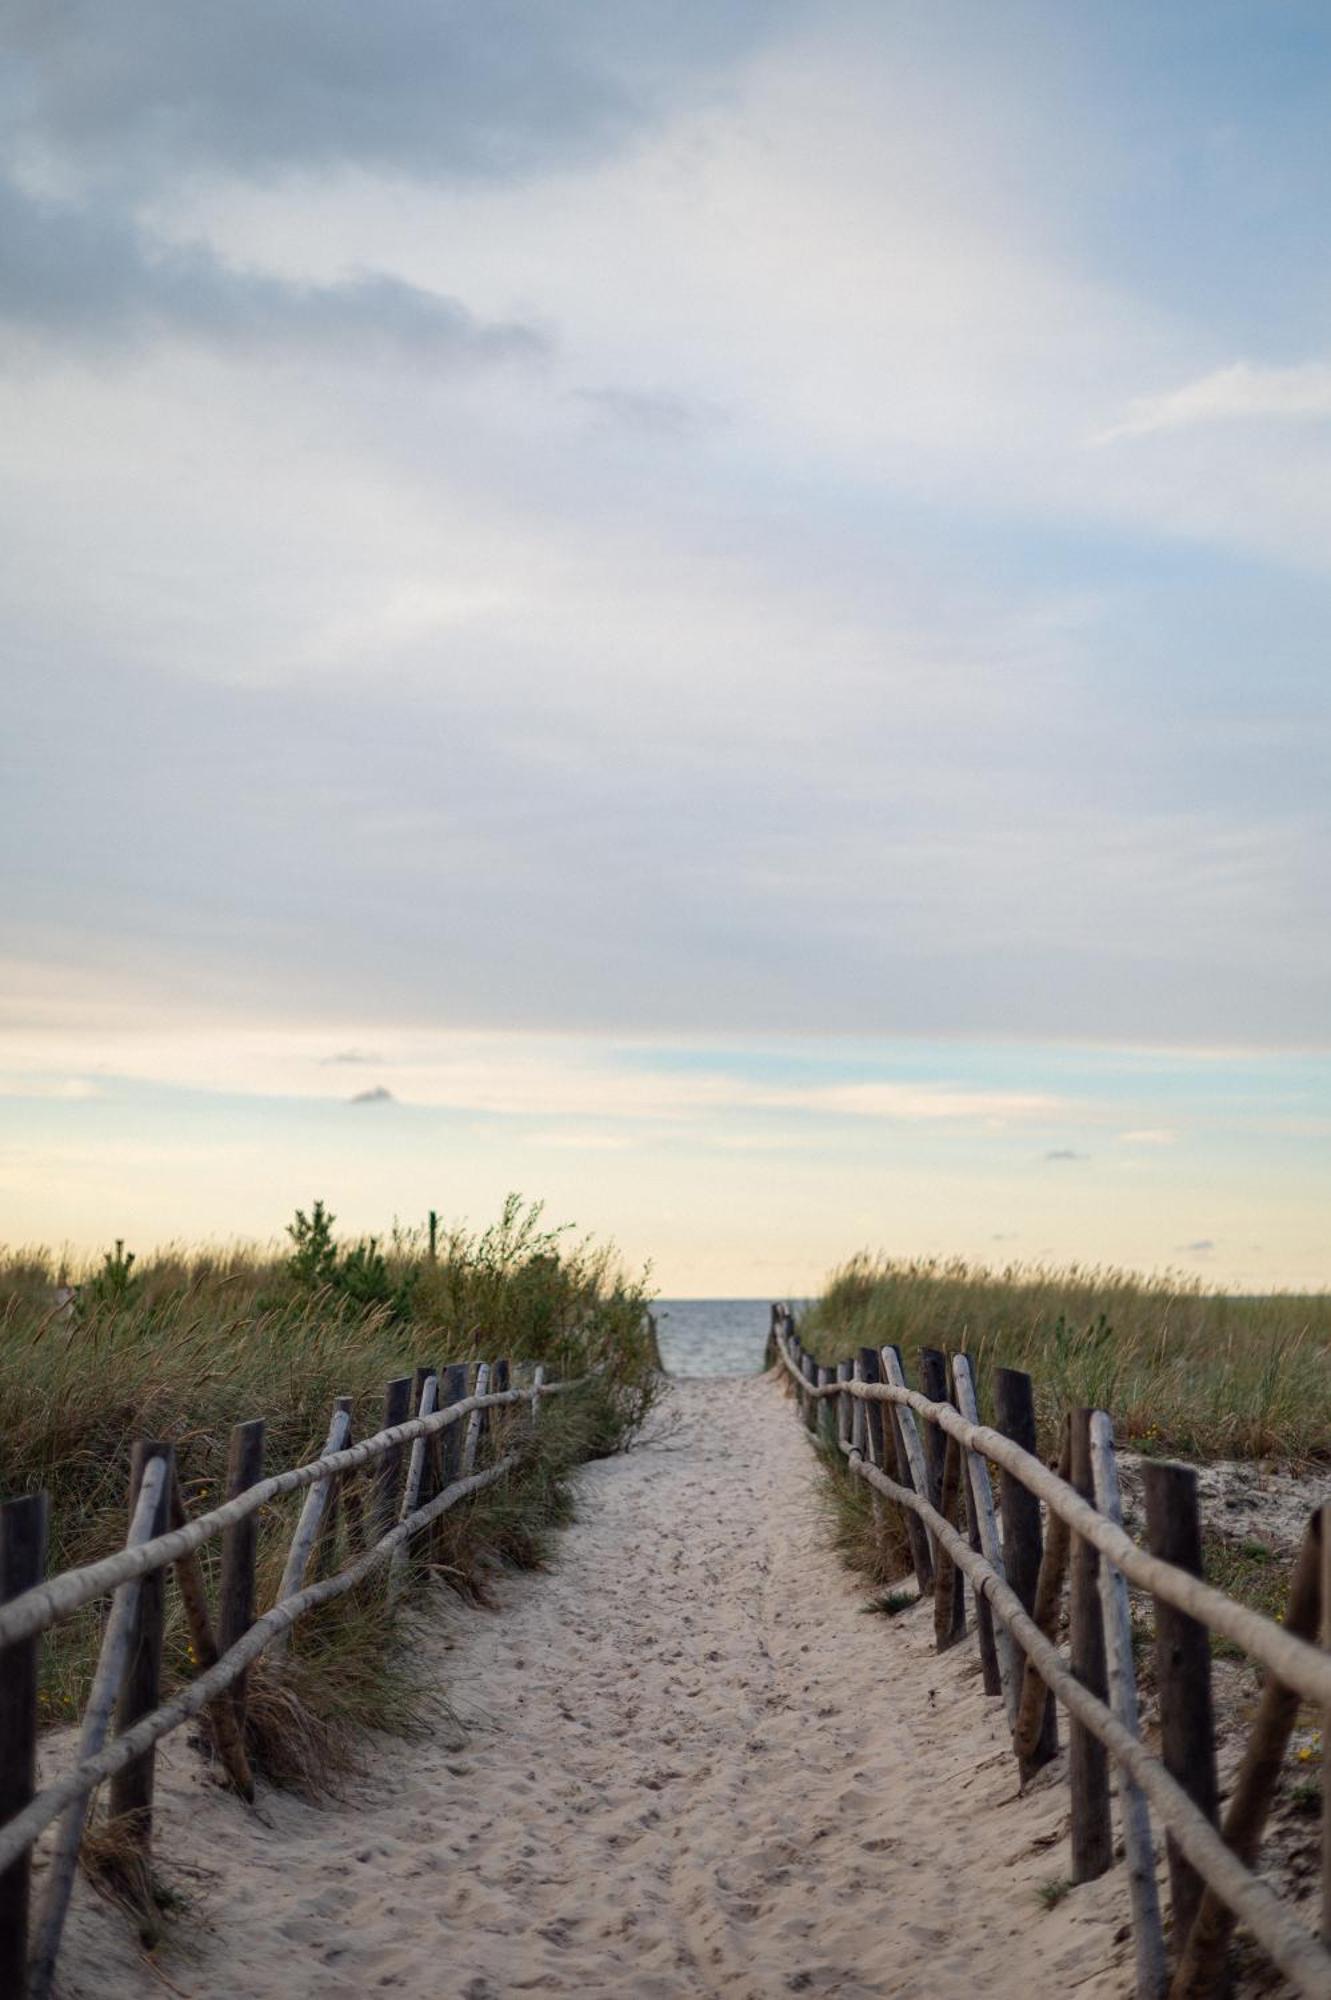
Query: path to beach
[685, 1763]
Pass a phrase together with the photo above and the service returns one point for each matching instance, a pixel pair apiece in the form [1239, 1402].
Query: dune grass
[182, 1344]
[1181, 1369]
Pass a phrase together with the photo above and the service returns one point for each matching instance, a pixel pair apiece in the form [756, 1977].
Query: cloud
[1065, 1153]
[349, 1056]
[89, 273]
[379, 1095]
[1202, 1246]
[1237, 394]
[270, 87]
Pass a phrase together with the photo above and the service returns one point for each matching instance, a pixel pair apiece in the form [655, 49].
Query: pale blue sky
[737, 598]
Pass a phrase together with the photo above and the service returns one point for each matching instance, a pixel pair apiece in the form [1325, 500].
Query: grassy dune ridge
[185, 1343]
[1181, 1369]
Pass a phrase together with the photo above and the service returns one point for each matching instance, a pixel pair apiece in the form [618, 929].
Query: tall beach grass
[1181, 1369]
[181, 1344]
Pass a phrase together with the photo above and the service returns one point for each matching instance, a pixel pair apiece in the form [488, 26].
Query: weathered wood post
[773, 1329]
[1182, 1670]
[1023, 1541]
[844, 1403]
[1088, 1770]
[500, 1382]
[908, 1457]
[397, 1409]
[228, 1739]
[240, 1548]
[471, 1444]
[433, 1252]
[1202, 1958]
[870, 1369]
[1148, 1935]
[23, 1533]
[1048, 1598]
[949, 1583]
[810, 1370]
[452, 1390]
[824, 1414]
[131, 1795]
[998, 1656]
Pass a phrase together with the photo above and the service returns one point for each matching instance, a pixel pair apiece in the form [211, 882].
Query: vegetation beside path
[182, 1344]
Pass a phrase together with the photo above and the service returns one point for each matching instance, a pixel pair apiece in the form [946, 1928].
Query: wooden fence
[383, 1494]
[1017, 1564]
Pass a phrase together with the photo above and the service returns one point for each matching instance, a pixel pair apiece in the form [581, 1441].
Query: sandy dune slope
[683, 1763]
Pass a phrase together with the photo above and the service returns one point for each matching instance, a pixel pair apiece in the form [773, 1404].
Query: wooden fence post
[870, 1369]
[908, 1456]
[397, 1409]
[949, 1583]
[1048, 1597]
[500, 1380]
[473, 1439]
[998, 1656]
[131, 1798]
[1023, 1542]
[1088, 1771]
[845, 1406]
[1202, 1957]
[1148, 1936]
[453, 1390]
[23, 1533]
[810, 1368]
[537, 1384]
[240, 1547]
[824, 1414]
[1182, 1671]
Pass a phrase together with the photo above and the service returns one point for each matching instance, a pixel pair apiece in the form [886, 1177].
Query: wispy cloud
[380, 1094]
[1243, 392]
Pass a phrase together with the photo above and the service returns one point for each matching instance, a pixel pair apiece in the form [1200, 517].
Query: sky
[717, 614]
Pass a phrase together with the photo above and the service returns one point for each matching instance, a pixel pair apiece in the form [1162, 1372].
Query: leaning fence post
[1048, 1597]
[1088, 1770]
[23, 1528]
[1201, 1959]
[307, 1527]
[240, 1547]
[118, 1635]
[472, 1444]
[940, 1451]
[909, 1456]
[1023, 1548]
[984, 1536]
[1182, 1671]
[397, 1409]
[131, 1798]
[1325, 1625]
[826, 1415]
[1148, 1936]
[870, 1369]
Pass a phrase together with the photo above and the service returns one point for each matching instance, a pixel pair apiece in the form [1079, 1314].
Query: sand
[682, 1762]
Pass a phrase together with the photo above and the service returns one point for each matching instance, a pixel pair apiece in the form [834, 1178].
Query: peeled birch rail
[1298, 1664]
[46, 1603]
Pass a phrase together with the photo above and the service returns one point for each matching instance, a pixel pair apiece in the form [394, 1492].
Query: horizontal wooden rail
[1299, 1665]
[19, 1833]
[43, 1606]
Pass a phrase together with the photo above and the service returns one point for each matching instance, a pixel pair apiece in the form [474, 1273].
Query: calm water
[712, 1336]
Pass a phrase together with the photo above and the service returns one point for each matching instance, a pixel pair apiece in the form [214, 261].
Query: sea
[712, 1336]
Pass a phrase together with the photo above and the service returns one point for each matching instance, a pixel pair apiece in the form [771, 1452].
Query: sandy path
[686, 1764]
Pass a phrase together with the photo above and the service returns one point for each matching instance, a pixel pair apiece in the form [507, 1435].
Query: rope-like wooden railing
[1104, 1707]
[440, 1473]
